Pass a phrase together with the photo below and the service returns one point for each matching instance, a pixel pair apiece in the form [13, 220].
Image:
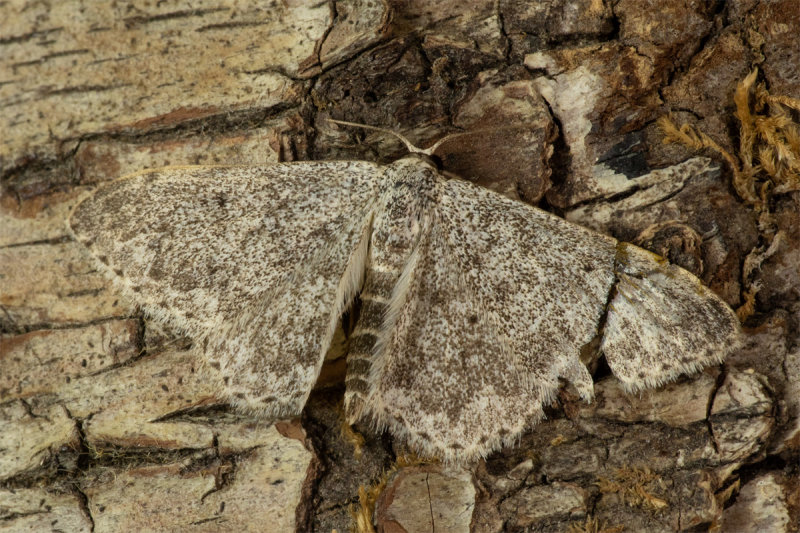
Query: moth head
[419, 162]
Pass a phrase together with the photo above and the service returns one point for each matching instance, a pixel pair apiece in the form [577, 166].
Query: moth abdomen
[375, 297]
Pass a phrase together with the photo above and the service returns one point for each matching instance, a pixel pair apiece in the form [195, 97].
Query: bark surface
[108, 426]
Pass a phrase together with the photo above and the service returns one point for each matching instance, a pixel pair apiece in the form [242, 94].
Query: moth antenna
[451, 136]
[426, 151]
[411, 148]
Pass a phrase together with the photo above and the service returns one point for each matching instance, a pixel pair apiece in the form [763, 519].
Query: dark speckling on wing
[474, 305]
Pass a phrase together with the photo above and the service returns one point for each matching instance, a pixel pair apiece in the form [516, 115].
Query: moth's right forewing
[444, 380]
[546, 280]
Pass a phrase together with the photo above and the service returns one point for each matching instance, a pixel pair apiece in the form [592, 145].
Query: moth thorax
[397, 231]
[409, 188]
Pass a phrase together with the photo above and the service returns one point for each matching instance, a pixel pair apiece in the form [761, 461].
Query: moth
[474, 305]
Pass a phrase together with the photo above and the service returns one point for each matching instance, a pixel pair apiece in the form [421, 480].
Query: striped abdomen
[408, 190]
[375, 297]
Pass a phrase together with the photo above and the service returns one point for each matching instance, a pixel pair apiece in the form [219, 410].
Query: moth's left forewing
[254, 263]
[272, 353]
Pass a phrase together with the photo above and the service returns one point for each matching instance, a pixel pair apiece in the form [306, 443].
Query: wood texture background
[107, 426]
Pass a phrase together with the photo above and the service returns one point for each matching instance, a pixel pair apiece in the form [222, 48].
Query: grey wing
[545, 281]
[550, 283]
[443, 379]
[251, 262]
[662, 322]
[500, 304]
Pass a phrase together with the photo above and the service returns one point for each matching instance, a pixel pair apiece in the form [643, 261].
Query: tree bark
[108, 425]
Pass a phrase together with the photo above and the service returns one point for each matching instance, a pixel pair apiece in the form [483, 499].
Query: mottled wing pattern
[211, 249]
[544, 281]
[663, 322]
[271, 355]
[502, 297]
[444, 379]
[492, 308]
